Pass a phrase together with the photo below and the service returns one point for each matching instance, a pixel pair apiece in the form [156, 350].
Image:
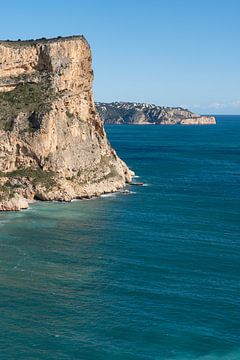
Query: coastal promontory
[143, 114]
[52, 142]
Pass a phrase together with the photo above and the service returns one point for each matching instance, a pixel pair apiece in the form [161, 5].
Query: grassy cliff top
[32, 42]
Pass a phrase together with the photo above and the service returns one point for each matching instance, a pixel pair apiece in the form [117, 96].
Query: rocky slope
[140, 114]
[52, 142]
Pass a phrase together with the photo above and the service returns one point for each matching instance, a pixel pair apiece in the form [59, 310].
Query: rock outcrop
[52, 142]
[140, 114]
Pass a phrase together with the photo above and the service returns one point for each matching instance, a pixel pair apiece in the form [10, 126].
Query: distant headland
[141, 114]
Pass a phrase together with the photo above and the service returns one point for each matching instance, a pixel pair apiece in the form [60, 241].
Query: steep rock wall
[52, 142]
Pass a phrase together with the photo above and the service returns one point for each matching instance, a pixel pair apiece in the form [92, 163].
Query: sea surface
[147, 276]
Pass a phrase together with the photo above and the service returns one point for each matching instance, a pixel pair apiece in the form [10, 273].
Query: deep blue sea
[147, 276]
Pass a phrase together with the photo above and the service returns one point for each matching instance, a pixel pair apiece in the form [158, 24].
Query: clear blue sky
[168, 52]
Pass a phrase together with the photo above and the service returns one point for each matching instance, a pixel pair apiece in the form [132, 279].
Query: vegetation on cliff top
[32, 42]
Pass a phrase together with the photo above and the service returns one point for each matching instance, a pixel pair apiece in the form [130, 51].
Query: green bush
[28, 98]
[37, 176]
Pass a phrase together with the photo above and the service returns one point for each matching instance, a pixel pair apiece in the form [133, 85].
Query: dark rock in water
[136, 183]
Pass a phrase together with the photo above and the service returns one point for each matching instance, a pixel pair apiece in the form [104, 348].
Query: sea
[147, 275]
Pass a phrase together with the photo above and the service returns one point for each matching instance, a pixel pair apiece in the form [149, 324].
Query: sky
[167, 52]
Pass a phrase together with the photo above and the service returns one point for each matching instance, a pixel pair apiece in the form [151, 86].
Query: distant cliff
[52, 142]
[140, 114]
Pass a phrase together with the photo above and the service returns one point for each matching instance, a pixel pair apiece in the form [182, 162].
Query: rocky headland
[140, 114]
[52, 142]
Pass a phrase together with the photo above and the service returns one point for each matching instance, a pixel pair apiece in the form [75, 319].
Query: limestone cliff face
[52, 142]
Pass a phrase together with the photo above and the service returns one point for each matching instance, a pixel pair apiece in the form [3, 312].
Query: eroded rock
[52, 142]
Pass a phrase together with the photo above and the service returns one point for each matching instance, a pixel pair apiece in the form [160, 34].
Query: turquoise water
[151, 275]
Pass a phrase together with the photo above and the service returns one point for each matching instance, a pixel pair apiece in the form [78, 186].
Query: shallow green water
[151, 275]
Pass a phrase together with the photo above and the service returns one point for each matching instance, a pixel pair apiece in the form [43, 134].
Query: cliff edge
[52, 142]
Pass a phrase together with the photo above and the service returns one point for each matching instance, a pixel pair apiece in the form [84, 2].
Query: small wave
[4, 221]
[108, 195]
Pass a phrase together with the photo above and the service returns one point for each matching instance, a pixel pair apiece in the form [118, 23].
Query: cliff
[52, 142]
[140, 114]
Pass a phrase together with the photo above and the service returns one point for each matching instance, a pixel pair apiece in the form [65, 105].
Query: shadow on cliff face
[35, 121]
